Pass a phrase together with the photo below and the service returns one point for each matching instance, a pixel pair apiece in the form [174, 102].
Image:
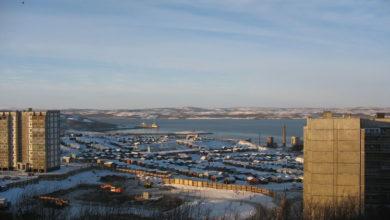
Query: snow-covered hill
[235, 113]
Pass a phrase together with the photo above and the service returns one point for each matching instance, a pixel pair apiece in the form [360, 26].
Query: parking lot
[218, 160]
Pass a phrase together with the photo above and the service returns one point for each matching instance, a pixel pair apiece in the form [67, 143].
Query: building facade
[30, 140]
[347, 158]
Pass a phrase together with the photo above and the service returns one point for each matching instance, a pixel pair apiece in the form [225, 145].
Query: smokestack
[284, 136]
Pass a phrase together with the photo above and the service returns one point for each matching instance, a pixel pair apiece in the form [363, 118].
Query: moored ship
[143, 125]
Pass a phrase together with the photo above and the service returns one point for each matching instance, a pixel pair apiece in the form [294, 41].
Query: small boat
[143, 125]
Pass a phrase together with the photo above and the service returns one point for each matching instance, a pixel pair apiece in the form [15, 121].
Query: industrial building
[347, 158]
[30, 140]
[296, 143]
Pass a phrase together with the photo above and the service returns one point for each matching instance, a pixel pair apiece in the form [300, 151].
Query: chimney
[284, 136]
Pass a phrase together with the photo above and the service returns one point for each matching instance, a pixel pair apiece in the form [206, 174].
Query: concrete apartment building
[30, 140]
[347, 158]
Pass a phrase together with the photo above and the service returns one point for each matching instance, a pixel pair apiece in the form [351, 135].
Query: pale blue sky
[206, 53]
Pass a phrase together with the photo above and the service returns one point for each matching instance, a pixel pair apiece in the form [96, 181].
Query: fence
[61, 176]
[165, 177]
[142, 172]
[214, 185]
[39, 177]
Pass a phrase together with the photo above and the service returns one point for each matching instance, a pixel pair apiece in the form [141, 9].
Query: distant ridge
[223, 113]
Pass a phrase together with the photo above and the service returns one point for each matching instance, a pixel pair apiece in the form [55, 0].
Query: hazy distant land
[221, 113]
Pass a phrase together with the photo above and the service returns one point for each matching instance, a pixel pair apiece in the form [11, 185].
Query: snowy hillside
[203, 113]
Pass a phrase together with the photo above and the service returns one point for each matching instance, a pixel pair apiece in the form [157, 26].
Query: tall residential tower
[347, 158]
[30, 140]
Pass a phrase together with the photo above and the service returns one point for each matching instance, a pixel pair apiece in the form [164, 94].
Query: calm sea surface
[226, 128]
